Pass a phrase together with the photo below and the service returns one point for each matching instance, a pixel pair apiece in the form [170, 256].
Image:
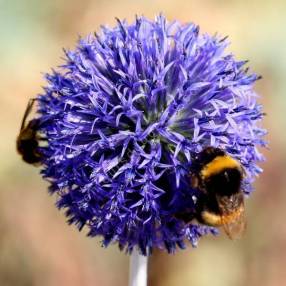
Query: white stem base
[138, 269]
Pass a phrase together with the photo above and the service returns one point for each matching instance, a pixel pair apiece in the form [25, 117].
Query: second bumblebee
[218, 177]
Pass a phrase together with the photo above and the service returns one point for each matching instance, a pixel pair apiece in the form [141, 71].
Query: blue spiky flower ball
[124, 116]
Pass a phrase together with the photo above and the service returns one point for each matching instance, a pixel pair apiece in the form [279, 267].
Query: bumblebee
[28, 140]
[220, 203]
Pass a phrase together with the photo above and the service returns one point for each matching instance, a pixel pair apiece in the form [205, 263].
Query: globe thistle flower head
[124, 116]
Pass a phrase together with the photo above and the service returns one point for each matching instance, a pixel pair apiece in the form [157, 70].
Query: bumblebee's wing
[236, 228]
[232, 214]
[27, 112]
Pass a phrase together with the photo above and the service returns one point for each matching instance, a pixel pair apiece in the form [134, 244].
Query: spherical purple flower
[124, 117]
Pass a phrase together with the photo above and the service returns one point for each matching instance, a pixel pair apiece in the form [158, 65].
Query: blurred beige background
[37, 247]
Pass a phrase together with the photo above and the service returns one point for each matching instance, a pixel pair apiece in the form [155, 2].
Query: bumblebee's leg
[185, 217]
[194, 181]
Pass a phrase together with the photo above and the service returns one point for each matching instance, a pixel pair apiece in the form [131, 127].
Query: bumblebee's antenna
[27, 111]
